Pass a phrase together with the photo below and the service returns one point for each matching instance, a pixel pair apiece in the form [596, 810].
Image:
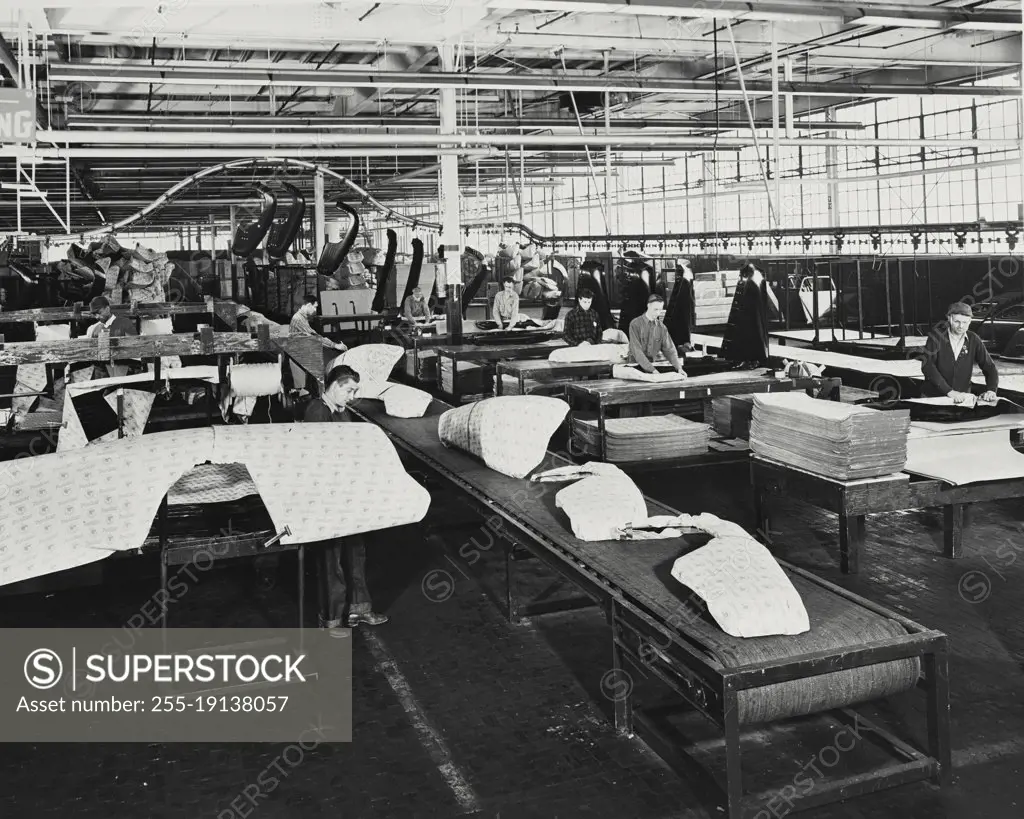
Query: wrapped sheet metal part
[510, 434]
[828, 438]
[651, 438]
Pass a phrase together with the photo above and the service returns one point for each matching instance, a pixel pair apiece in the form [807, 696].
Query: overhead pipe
[492, 81]
[27, 152]
[473, 141]
[274, 123]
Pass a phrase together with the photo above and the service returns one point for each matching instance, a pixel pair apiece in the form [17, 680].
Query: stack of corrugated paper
[829, 438]
[651, 438]
[731, 415]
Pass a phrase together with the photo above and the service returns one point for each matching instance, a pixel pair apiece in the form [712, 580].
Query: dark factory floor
[459, 713]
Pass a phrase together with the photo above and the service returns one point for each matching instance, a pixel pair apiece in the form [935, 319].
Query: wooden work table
[487, 353]
[619, 393]
[854, 500]
[568, 371]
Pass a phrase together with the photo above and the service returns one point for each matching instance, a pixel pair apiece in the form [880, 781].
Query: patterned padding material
[67, 509]
[509, 433]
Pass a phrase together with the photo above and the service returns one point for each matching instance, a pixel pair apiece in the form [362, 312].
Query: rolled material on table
[255, 380]
[633, 374]
[614, 353]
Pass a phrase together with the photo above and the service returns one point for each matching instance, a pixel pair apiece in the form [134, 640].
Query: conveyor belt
[637, 574]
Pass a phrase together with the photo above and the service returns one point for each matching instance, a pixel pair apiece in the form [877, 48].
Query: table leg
[762, 518]
[851, 540]
[954, 530]
[498, 375]
[602, 444]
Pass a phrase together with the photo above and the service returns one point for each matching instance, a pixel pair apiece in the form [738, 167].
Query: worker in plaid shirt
[582, 325]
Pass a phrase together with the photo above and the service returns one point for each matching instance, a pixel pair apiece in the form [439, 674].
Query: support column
[319, 214]
[711, 193]
[610, 197]
[450, 271]
[776, 131]
[831, 161]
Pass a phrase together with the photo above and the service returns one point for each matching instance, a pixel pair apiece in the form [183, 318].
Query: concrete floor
[458, 713]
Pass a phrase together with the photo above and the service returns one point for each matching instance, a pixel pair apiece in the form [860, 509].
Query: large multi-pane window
[834, 185]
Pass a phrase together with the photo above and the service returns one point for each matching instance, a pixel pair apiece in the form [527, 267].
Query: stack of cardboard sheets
[828, 438]
[650, 438]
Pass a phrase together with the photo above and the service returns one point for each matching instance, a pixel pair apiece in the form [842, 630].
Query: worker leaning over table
[300, 326]
[648, 337]
[344, 597]
[950, 354]
[506, 304]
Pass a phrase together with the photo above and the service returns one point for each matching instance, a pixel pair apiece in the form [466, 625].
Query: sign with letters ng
[17, 116]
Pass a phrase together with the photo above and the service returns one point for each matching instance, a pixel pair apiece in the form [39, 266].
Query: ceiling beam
[63, 72]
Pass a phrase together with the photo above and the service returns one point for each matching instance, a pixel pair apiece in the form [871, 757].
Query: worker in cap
[648, 338]
[950, 354]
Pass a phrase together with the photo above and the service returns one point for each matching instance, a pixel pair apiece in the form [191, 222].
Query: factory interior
[680, 346]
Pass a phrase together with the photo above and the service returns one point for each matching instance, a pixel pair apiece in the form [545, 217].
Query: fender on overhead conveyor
[286, 225]
[474, 287]
[248, 235]
[380, 297]
[604, 312]
[414, 269]
[335, 252]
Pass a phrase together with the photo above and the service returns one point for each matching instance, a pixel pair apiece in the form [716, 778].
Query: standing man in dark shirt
[345, 599]
[117, 326]
[582, 325]
[950, 354]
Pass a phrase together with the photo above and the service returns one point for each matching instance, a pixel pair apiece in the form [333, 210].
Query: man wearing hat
[648, 337]
[950, 354]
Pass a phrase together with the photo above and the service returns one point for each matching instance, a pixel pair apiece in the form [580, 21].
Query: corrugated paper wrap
[374, 363]
[509, 433]
[599, 506]
[401, 401]
[615, 353]
[744, 588]
[64, 510]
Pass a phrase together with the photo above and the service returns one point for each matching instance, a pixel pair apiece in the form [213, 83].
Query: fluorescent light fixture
[896, 22]
[983, 26]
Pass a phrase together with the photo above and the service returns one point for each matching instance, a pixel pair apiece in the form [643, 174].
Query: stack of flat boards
[650, 438]
[828, 438]
[731, 415]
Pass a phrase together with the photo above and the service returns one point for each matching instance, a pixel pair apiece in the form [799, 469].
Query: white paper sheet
[965, 459]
